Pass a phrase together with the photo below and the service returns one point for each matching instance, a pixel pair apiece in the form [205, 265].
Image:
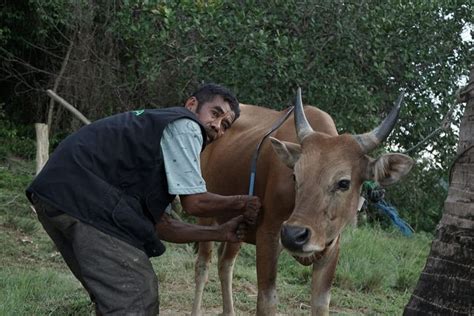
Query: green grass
[40, 291]
[376, 273]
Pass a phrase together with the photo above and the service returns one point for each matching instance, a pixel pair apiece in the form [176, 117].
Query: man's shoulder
[177, 110]
[185, 124]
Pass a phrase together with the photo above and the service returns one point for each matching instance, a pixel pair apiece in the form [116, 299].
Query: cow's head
[328, 173]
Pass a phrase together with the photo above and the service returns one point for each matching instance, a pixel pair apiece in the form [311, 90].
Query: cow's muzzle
[294, 238]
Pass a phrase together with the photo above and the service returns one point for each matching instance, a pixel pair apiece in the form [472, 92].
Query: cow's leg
[268, 250]
[227, 254]
[323, 274]
[201, 274]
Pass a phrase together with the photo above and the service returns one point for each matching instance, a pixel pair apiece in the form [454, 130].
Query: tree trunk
[446, 285]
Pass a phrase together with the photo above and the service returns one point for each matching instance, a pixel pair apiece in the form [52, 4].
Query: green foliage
[15, 175]
[32, 35]
[351, 59]
[16, 140]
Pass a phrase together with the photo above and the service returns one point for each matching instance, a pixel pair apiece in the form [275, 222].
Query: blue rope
[253, 166]
[391, 212]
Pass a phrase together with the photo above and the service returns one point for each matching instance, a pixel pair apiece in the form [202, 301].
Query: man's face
[216, 116]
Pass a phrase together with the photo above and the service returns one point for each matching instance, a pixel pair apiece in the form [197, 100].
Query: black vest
[110, 174]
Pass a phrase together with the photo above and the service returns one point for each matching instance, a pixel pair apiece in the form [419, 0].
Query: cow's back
[226, 163]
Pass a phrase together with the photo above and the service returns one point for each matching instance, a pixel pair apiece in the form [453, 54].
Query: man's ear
[191, 104]
[289, 153]
[390, 168]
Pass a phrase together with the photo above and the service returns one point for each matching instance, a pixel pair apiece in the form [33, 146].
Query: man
[103, 196]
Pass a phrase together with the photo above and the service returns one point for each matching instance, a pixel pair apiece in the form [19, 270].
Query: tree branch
[68, 106]
[56, 83]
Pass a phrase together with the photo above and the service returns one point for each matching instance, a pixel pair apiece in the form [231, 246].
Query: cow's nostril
[302, 236]
[294, 237]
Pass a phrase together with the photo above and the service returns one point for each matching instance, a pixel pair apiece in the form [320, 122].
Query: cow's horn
[371, 140]
[302, 126]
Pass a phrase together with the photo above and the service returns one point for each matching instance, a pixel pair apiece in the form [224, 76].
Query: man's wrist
[220, 233]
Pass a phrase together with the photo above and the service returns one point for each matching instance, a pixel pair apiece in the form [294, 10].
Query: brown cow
[309, 182]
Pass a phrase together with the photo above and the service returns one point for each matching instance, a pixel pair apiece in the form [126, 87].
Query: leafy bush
[16, 140]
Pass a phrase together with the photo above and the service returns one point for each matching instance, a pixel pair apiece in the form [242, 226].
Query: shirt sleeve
[181, 145]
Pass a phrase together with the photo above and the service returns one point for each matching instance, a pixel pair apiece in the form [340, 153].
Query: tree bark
[446, 285]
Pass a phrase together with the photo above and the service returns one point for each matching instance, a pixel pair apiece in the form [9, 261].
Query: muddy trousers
[118, 277]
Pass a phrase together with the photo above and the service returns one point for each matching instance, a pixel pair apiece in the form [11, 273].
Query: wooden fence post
[42, 145]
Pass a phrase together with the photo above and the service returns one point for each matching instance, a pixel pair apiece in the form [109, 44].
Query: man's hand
[234, 230]
[252, 207]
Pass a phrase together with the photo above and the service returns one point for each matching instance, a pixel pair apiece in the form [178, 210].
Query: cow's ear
[289, 153]
[389, 168]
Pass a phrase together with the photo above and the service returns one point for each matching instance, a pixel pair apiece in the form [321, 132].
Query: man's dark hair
[208, 92]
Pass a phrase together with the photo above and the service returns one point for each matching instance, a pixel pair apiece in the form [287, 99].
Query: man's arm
[181, 145]
[176, 231]
[214, 205]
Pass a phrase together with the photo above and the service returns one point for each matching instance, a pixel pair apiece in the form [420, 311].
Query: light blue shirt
[181, 145]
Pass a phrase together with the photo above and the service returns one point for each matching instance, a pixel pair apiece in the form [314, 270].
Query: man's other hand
[235, 229]
[252, 208]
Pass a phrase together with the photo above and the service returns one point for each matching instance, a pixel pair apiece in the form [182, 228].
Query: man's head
[215, 107]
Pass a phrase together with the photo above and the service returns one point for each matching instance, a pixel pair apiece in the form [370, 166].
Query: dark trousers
[118, 277]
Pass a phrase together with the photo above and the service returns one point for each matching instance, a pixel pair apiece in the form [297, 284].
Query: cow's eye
[343, 185]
